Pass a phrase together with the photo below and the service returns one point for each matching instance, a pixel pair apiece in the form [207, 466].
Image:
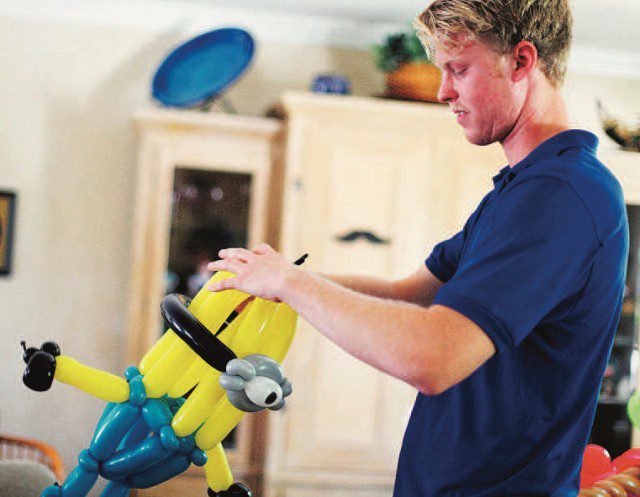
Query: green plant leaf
[398, 49]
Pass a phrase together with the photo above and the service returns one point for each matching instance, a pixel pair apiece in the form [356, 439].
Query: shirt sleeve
[444, 258]
[534, 252]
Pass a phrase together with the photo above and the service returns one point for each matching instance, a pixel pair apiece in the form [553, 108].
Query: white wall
[67, 146]
[68, 89]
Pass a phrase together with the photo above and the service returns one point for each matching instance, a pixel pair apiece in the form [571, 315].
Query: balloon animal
[216, 361]
[602, 477]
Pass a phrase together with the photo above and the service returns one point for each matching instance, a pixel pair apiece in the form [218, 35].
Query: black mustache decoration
[366, 235]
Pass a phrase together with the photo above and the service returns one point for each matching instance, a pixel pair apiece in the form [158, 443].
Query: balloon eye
[271, 398]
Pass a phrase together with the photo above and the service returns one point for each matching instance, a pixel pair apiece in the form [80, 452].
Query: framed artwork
[7, 217]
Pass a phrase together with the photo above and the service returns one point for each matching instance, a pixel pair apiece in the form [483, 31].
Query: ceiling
[606, 38]
[606, 24]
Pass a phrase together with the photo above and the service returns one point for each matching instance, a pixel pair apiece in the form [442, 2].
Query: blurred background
[79, 130]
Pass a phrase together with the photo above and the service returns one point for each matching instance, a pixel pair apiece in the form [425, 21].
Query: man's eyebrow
[450, 63]
[446, 65]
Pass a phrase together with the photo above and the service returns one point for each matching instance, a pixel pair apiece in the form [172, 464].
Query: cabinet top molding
[194, 120]
[297, 101]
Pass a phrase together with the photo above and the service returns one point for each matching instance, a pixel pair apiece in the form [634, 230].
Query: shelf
[623, 342]
[614, 401]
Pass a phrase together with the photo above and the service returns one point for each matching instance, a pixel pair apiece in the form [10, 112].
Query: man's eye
[459, 72]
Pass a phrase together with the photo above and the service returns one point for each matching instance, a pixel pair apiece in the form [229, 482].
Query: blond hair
[502, 24]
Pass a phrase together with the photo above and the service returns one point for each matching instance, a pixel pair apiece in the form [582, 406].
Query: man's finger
[237, 253]
[226, 284]
[233, 266]
[263, 248]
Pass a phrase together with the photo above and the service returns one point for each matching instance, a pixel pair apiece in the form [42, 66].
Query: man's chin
[476, 139]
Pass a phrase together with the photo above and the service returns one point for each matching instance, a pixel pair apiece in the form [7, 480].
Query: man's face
[477, 86]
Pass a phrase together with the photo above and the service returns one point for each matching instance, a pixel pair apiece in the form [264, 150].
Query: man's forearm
[389, 335]
[369, 285]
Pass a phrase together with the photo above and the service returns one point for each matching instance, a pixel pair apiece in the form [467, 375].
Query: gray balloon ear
[240, 367]
[287, 387]
[230, 382]
[266, 366]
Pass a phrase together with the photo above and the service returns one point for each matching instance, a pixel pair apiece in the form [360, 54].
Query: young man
[507, 327]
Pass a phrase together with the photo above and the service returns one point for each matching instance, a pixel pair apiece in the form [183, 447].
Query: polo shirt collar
[552, 147]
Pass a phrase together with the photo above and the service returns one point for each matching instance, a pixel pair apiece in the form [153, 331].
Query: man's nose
[446, 91]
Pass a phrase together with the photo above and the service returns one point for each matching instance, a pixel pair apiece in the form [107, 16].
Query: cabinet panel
[345, 414]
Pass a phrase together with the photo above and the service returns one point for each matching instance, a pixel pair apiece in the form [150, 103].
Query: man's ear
[525, 59]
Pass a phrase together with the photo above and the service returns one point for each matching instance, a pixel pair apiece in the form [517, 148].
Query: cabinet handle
[366, 235]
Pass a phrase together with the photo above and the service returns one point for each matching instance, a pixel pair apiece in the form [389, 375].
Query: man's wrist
[292, 282]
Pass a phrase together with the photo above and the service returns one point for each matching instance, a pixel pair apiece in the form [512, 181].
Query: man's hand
[262, 272]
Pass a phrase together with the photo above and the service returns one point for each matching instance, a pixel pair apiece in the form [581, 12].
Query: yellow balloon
[198, 406]
[222, 420]
[189, 378]
[217, 470]
[279, 334]
[105, 386]
[159, 380]
[212, 308]
[246, 340]
[156, 352]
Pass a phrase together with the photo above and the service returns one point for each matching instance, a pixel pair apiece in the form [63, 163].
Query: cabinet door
[345, 415]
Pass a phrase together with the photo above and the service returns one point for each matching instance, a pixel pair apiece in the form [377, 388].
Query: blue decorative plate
[202, 67]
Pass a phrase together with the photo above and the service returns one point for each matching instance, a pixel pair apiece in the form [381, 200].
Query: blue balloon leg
[157, 414]
[136, 435]
[161, 472]
[115, 426]
[136, 459]
[79, 483]
[114, 489]
[51, 491]
[186, 444]
[108, 408]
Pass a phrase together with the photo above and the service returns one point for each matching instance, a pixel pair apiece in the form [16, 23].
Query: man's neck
[542, 117]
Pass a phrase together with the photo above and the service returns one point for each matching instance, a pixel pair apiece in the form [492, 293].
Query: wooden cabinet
[394, 178]
[203, 179]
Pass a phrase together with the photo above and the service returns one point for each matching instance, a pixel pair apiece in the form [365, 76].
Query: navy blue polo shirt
[540, 267]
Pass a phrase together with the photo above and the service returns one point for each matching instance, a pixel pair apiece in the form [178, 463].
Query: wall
[67, 146]
[68, 89]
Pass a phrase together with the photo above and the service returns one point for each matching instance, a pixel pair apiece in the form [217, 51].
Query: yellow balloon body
[198, 406]
[223, 419]
[156, 352]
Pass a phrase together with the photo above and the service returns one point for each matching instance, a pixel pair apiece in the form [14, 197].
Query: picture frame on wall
[7, 220]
